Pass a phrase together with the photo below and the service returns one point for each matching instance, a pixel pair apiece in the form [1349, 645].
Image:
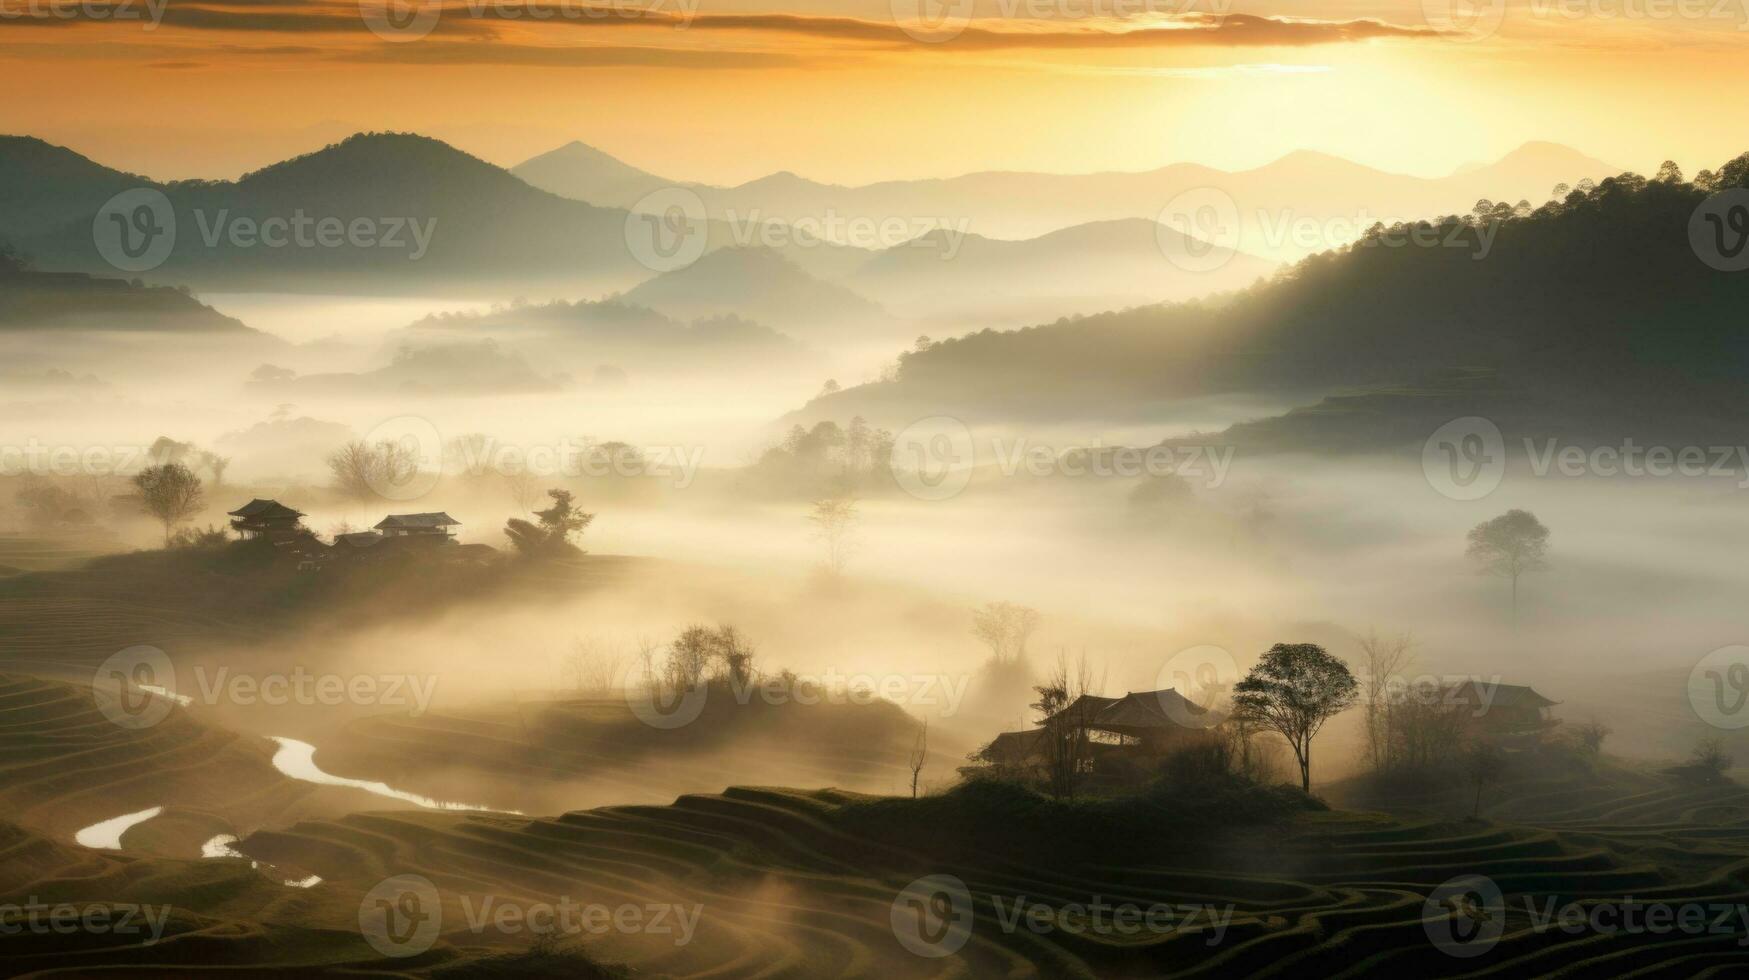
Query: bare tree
[1067, 717]
[362, 471]
[524, 490]
[1509, 546]
[919, 755]
[1005, 628]
[171, 493]
[1386, 657]
[834, 519]
[1293, 691]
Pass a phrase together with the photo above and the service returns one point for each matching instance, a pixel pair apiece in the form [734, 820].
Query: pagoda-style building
[267, 519]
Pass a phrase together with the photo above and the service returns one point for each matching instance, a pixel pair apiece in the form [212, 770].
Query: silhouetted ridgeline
[30, 298]
[1597, 301]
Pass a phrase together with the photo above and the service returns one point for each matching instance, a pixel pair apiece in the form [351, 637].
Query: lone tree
[834, 519]
[919, 755]
[552, 536]
[1292, 691]
[1508, 546]
[1005, 627]
[171, 493]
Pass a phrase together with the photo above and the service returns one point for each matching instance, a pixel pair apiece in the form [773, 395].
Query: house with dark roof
[268, 519]
[1490, 710]
[1146, 718]
[434, 526]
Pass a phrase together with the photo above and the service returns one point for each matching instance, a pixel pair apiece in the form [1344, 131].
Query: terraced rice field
[781, 886]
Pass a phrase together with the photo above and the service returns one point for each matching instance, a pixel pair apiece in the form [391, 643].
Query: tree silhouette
[1508, 546]
[171, 493]
[1293, 691]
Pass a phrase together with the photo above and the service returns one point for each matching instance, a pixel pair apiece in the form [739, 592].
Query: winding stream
[107, 833]
[298, 760]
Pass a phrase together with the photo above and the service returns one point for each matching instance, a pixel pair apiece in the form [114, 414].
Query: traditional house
[422, 526]
[1149, 719]
[1500, 710]
[267, 519]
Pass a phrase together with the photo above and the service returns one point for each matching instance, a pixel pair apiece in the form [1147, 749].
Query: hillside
[31, 299]
[759, 283]
[433, 217]
[1569, 307]
[1305, 185]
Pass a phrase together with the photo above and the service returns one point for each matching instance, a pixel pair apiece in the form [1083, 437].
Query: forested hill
[1598, 297]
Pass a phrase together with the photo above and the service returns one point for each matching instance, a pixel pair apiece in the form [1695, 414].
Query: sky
[854, 91]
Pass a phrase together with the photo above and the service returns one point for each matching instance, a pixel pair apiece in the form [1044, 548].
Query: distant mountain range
[1301, 203]
[31, 299]
[1594, 315]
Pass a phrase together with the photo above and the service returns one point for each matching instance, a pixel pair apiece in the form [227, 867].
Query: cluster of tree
[367, 471]
[550, 535]
[856, 455]
[701, 654]
[1601, 271]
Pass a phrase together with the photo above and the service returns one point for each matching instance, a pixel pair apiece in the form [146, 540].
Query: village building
[1506, 712]
[424, 527]
[266, 519]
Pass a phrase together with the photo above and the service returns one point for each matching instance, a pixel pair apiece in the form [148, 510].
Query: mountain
[33, 300]
[760, 283]
[583, 173]
[376, 209]
[1097, 266]
[1303, 203]
[41, 185]
[1595, 312]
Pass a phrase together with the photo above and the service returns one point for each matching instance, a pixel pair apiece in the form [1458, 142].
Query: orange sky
[729, 90]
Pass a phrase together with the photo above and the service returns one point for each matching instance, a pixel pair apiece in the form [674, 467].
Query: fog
[1236, 551]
